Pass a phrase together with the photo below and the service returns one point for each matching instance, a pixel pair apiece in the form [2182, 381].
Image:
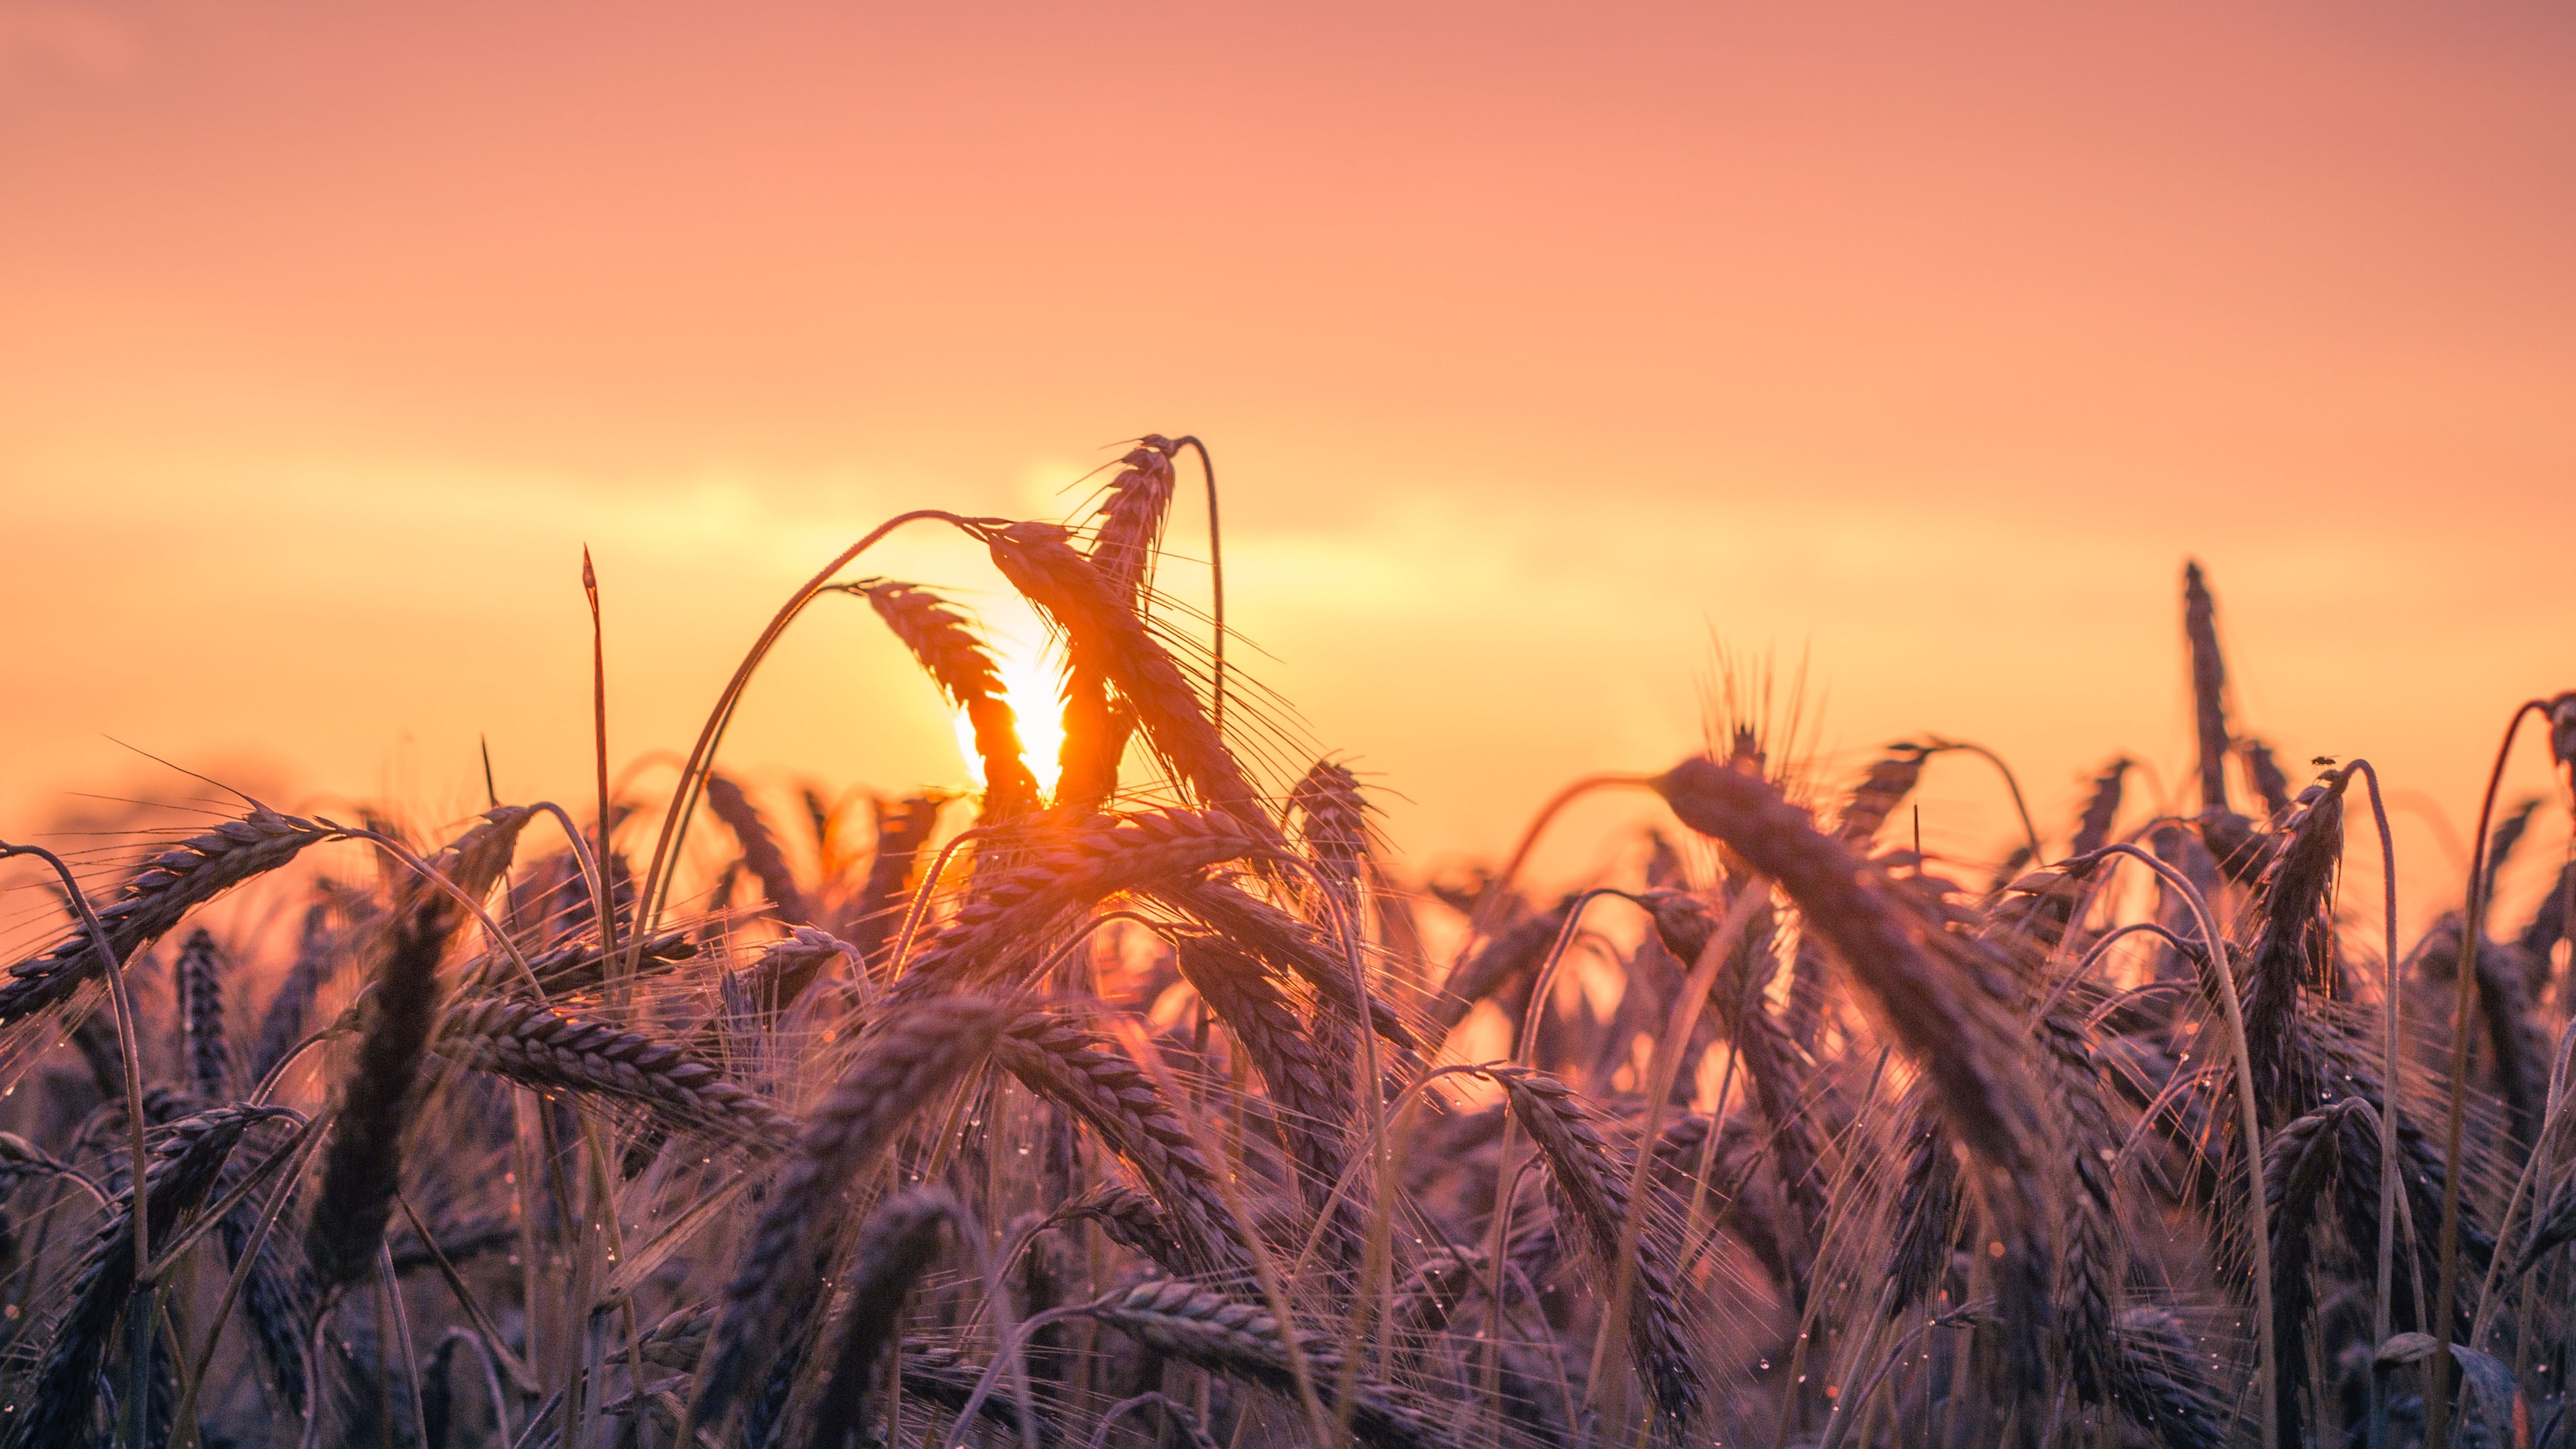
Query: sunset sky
[1543, 351]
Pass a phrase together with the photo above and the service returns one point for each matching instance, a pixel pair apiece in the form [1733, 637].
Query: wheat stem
[1661, 1069]
[1273, 1293]
[2437, 1388]
[242, 1269]
[2260, 1232]
[128, 1040]
[1480, 921]
[2030, 832]
[701, 759]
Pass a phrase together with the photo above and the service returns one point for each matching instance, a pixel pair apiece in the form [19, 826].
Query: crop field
[1144, 1097]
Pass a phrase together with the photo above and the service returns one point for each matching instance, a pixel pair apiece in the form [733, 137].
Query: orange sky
[1537, 347]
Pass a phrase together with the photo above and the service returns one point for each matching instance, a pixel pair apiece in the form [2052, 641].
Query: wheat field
[1143, 1097]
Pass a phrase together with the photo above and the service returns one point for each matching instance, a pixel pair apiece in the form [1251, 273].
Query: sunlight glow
[1032, 679]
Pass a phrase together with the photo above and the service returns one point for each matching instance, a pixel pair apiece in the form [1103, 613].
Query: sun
[1031, 674]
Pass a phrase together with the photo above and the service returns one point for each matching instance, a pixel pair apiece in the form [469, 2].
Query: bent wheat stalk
[2259, 1231]
[105, 953]
[701, 759]
[1497, 890]
[154, 900]
[2437, 1390]
[1216, 576]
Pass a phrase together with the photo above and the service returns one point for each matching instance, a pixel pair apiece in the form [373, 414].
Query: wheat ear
[281, 1026]
[362, 1158]
[903, 828]
[949, 650]
[1096, 727]
[2158, 1381]
[760, 851]
[1197, 1325]
[1332, 818]
[2208, 685]
[1312, 1100]
[156, 897]
[1890, 779]
[185, 1166]
[1131, 1220]
[1590, 1180]
[200, 973]
[550, 1049]
[2298, 1176]
[1063, 1062]
[907, 1058]
[900, 1242]
[1284, 940]
[1510, 958]
[2101, 808]
[1948, 1019]
[1104, 634]
[1059, 868]
[2292, 954]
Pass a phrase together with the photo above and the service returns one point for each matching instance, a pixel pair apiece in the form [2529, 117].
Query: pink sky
[1537, 348]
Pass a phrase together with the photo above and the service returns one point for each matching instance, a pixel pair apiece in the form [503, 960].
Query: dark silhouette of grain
[1121, 1117]
[362, 1157]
